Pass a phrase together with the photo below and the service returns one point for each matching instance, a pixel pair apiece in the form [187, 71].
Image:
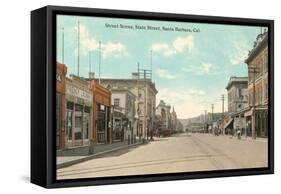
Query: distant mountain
[201, 119]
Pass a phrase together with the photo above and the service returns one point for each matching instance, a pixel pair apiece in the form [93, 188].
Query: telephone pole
[90, 65]
[62, 45]
[99, 60]
[212, 106]
[222, 98]
[254, 70]
[205, 116]
[205, 121]
[151, 63]
[78, 48]
[144, 75]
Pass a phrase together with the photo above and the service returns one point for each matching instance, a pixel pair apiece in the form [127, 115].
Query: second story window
[116, 102]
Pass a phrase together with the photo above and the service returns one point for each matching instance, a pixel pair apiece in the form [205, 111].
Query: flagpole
[62, 47]
[89, 64]
[99, 61]
[151, 63]
[78, 46]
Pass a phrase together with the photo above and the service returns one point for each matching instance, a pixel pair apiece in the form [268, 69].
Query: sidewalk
[248, 138]
[100, 149]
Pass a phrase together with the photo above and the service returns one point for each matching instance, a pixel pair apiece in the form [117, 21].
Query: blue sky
[190, 69]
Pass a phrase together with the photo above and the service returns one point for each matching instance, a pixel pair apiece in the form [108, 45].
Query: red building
[102, 129]
[61, 70]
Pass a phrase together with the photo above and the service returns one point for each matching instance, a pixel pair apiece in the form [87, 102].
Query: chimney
[91, 75]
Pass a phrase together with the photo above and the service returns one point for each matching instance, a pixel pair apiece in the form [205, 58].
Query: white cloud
[239, 54]
[191, 101]
[179, 95]
[88, 43]
[116, 49]
[163, 48]
[163, 73]
[179, 45]
[206, 67]
[202, 69]
[183, 43]
[185, 101]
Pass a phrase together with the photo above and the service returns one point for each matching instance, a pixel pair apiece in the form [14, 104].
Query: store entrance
[101, 124]
[77, 124]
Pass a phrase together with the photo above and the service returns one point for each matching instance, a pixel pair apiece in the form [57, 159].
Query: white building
[124, 120]
[166, 117]
[237, 94]
[237, 102]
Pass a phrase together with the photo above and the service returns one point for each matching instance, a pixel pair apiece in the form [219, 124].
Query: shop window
[78, 131]
[87, 109]
[69, 124]
[240, 92]
[78, 122]
[70, 105]
[101, 124]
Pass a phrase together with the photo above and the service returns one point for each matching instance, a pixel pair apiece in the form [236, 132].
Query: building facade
[101, 98]
[164, 118]
[237, 94]
[257, 62]
[124, 115]
[78, 112]
[145, 91]
[237, 103]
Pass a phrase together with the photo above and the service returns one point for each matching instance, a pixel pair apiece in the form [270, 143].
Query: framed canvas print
[127, 96]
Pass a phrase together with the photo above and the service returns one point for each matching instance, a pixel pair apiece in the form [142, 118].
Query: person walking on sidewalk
[238, 133]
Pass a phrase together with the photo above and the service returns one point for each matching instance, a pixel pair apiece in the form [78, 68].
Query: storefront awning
[248, 113]
[228, 123]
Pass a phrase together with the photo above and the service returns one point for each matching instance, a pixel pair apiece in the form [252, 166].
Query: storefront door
[78, 120]
[101, 124]
[69, 125]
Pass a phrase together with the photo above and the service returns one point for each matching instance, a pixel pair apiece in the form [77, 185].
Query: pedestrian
[238, 133]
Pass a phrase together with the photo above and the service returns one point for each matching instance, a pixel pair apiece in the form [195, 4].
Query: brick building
[61, 71]
[257, 62]
[78, 112]
[83, 114]
[101, 98]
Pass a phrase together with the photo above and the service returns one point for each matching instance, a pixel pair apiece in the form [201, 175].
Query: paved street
[187, 152]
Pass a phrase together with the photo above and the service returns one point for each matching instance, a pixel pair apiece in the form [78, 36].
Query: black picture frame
[43, 84]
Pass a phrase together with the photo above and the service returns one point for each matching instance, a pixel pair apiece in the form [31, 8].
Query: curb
[70, 163]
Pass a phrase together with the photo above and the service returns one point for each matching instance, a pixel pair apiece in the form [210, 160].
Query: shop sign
[74, 91]
[102, 107]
